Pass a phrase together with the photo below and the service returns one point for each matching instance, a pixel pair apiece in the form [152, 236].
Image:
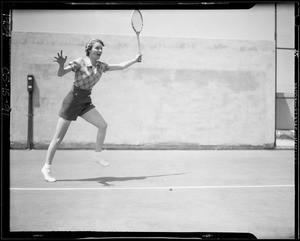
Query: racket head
[137, 21]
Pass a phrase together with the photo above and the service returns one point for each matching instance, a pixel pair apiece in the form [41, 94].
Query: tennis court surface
[156, 191]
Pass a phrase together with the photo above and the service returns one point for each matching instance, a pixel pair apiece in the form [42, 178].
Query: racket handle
[138, 41]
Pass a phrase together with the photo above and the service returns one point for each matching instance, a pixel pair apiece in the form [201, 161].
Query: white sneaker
[99, 159]
[48, 175]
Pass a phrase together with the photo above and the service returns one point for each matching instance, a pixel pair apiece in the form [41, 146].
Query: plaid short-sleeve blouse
[85, 75]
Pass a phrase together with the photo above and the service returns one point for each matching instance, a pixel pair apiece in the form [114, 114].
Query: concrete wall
[285, 71]
[207, 78]
[186, 91]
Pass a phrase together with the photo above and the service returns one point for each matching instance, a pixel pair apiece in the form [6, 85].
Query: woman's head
[90, 45]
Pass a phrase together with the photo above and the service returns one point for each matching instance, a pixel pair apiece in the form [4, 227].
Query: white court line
[141, 188]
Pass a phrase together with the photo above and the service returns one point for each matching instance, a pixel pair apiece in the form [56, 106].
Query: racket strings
[137, 21]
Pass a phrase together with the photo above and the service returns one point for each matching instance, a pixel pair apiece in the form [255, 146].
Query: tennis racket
[137, 25]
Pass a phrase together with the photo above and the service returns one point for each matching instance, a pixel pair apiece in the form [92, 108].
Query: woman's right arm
[63, 70]
[61, 62]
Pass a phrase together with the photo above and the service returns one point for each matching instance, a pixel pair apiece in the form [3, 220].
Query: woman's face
[96, 51]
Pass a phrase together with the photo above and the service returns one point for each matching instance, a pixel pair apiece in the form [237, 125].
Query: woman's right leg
[61, 130]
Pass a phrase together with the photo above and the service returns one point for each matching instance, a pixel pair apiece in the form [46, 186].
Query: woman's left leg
[94, 117]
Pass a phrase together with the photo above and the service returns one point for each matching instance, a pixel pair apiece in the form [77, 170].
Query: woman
[78, 102]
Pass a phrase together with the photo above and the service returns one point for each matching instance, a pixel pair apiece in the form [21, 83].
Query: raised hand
[60, 59]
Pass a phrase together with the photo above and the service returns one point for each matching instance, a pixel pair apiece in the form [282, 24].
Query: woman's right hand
[138, 58]
[60, 59]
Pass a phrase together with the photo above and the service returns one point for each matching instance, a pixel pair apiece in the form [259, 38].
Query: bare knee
[103, 126]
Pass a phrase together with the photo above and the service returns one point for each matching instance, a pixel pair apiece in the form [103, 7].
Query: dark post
[30, 81]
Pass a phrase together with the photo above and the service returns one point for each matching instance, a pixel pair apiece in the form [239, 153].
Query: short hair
[90, 44]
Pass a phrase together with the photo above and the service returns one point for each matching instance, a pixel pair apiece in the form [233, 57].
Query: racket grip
[138, 41]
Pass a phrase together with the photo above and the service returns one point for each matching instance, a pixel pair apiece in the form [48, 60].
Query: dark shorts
[76, 103]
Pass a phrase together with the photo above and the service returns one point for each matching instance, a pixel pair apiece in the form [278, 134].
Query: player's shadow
[106, 181]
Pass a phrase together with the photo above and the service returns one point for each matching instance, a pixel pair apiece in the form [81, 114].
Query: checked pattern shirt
[85, 75]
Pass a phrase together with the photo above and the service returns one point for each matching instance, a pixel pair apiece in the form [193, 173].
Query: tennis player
[77, 102]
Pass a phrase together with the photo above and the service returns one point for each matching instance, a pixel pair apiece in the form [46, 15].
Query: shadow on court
[106, 181]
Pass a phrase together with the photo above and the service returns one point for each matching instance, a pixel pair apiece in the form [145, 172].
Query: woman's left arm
[124, 65]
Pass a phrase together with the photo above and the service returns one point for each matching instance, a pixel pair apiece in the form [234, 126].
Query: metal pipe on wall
[30, 89]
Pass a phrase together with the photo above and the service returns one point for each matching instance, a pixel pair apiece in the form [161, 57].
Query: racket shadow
[106, 181]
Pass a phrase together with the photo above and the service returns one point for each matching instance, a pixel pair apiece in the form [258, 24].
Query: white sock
[47, 166]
